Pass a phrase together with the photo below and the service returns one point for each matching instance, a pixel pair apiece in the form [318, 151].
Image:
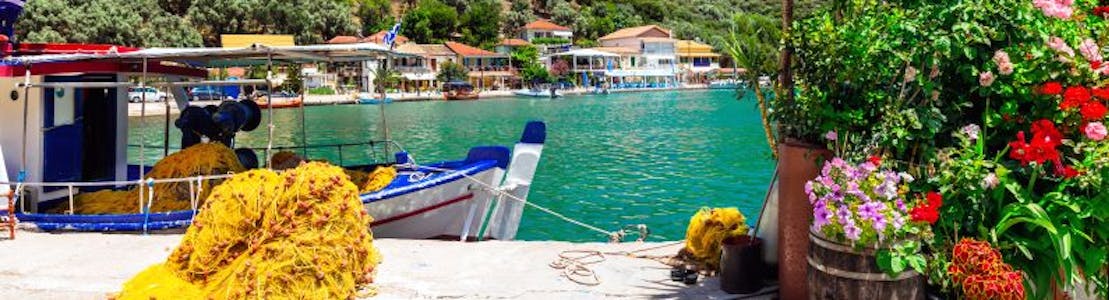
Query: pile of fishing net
[708, 228]
[199, 159]
[302, 234]
[367, 182]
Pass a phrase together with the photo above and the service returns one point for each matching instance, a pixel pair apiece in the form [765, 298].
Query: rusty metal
[799, 164]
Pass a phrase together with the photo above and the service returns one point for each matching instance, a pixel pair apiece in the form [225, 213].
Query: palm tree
[753, 45]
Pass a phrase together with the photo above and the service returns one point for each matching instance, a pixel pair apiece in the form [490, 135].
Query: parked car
[135, 94]
[205, 93]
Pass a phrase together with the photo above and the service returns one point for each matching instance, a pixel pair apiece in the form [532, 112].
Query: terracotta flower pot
[798, 163]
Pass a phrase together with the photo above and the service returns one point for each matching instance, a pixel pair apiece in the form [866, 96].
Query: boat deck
[92, 265]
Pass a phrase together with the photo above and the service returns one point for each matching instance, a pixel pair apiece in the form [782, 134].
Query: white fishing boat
[538, 93]
[64, 131]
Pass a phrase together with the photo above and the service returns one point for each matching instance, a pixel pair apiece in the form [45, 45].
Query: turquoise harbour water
[649, 158]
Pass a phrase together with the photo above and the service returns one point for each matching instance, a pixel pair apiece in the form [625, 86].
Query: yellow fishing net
[708, 228]
[302, 234]
[367, 182]
[200, 159]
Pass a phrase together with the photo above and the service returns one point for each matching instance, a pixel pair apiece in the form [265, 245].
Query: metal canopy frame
[254, 55]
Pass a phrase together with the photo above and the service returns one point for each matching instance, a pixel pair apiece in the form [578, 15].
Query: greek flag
[391, 36]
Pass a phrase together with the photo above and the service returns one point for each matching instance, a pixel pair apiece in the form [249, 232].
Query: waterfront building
[696, 61]
[506, 46]
[487, 70]
[653, 62]
[589, 66]
[548, 37]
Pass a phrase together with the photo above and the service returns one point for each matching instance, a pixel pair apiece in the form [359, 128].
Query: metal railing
[382, 156]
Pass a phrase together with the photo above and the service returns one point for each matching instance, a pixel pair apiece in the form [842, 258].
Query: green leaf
[917, 262]
[897, 264]
[884, 260]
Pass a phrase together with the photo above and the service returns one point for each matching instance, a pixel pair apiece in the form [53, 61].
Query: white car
[136, 94]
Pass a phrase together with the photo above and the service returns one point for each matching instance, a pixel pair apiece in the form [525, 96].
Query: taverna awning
[256, 54]
[583, 53]
[640, 73]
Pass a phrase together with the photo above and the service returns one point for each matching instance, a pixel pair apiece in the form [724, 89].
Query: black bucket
[741, 265]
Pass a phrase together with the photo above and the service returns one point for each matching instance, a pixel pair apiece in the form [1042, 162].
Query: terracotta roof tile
[633, 32]
[437, 50]
[543, 24]
[343, 39]
[467, 50]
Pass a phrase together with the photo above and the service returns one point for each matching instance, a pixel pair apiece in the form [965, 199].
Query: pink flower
[1000, 57]
[1055, 8]
[985, 78]
[1005, 69]
[1090, 50]
[910, 74]
[831, 135]
[1095, 131]
[935, 71]
[1060, 46]
[990, 181]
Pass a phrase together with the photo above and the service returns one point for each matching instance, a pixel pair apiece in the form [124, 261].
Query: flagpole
[390, 38]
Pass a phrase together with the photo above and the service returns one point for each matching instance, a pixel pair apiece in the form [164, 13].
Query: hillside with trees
[165, 23]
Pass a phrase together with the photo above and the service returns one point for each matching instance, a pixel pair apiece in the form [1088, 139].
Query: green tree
[753, 45]
[562, 13]
[384, 78]
[176, 7]
[524, 55]
[535, 73]
[481, 24]
[451, 71]
[373, 15]
[311, 22]
[430, 22]
[519, 13]
[139, 23]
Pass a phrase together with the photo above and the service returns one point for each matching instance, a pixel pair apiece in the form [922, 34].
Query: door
[79, 131]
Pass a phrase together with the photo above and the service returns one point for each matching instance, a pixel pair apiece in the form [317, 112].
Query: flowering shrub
[864, 206]
[1020, 85]
[982, 273]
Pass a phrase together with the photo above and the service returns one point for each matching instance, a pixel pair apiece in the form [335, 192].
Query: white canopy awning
[583, 53]
[419, 76]
[640, 73]
[256, 54]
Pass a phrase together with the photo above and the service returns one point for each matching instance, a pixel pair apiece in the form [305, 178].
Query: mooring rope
[614, 236]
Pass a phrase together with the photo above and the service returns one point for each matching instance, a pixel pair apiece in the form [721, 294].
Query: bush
[323, 90]
[550, 41]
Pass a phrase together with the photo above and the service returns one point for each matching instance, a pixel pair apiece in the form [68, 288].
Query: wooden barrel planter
[838, 271]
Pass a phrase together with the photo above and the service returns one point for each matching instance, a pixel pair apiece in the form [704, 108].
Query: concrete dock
[92, 265]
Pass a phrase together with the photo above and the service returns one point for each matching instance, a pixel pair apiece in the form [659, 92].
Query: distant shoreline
[159, 108]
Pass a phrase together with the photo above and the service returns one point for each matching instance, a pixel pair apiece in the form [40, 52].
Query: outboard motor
[218, 123]
[194, 123]
[234, 116]
[247, 158]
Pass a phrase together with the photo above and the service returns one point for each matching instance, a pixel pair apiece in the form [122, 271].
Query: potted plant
[865, 232]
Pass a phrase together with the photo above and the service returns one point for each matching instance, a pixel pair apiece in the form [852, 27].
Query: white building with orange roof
[648, 57]
[548, 37]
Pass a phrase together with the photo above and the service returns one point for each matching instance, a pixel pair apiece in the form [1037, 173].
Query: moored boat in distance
[459, 90]
[539, 93]
[366, 98]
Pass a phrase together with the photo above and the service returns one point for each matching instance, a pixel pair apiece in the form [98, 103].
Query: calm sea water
[610, 160]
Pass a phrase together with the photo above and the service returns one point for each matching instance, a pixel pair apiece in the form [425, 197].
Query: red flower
[1101, 11]
[935, 199]
[1094, 65]
[929, 211]
[1051, 88]
[1093, 111]
[874, 159]
[1101, 93]
[1069, 172]
[1042, 147]
[1074, 97]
